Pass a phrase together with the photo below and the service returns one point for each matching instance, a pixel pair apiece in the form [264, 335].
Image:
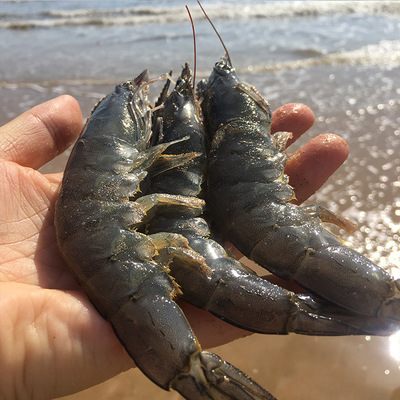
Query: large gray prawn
[249, 199]
[99, 214]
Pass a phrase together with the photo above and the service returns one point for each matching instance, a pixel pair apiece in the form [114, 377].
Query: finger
[314, 163]
[55, 178]
[38, 135]
[293, 117]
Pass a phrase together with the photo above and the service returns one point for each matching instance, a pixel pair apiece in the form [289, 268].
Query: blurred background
[340, 58]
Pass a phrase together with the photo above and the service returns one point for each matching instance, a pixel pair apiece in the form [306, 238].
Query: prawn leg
[159, 202]
[170, 246]
[326, 215]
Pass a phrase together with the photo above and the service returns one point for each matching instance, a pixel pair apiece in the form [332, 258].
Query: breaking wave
[385, 53]
[166, 15]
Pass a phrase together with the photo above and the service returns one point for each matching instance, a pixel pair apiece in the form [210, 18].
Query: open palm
[52, 340]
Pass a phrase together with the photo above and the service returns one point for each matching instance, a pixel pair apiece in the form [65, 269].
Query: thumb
[38, 135]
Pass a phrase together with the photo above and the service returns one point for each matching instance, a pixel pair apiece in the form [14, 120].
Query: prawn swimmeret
[140, 193]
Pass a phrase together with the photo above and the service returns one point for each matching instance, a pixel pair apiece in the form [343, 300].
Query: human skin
[52, 340]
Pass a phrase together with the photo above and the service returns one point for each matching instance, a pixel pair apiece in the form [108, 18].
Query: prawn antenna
[194, 46]
[215, 30]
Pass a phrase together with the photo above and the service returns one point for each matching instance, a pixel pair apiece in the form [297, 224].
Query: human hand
[52, 340]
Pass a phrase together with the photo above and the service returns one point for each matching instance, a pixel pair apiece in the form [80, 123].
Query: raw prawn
[249, 199]
[99, 214]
